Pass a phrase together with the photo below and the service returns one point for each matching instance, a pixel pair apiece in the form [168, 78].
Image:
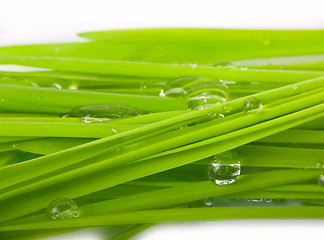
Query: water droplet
[73, 87]
[208, 202]
[223, 64]
[244, 68]
[162, 94]
[189, 63]
[321, 180]
[294, 87]
[252, 105]
[56, 85]
[227, 108]
[62, 208]
[225, 169]
[99, 113]
[215, 115]
[114, 130]
[267, 200]
[199, 92]
[320, 164]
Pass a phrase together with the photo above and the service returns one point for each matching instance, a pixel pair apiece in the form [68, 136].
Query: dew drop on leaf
[62, 208]
[252, 105]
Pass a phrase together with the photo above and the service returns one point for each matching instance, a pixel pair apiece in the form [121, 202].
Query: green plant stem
[131, 231]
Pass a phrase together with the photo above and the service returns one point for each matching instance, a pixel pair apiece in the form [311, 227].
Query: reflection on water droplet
[62, 208]
[227, 108]
[320, 164]
[225, 169]
[321, 180]
[208, 201]
[56, 85]
[176, 92]
[114, 130]
[223, 64]
[252, 105]
[73, 87]
[294, 87]
[104, 112]
[162, 93]
[244, 68]
[189, 63]
[216, 115]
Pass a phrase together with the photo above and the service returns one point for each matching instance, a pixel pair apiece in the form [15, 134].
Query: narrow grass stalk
[160, 70]
[50, 100]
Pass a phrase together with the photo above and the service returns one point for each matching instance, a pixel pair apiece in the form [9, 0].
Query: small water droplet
[321, 180]
[252, 105]
[294, 87]
[189, 63]
[216, 115]
[227, 108]
[100, 113]
[208, 202]
[223, 64]
[225, 169]
[62, 208]
[244, 68]
[320, 164]
[56, 85]
[73, 87]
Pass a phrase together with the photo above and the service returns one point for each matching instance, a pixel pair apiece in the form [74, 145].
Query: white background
[56, 20]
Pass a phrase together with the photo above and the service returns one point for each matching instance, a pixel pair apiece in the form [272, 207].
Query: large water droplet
[252, 105]
[62, 208]
[321, 180]
[199, 92]
[104, 112]
[225, 169]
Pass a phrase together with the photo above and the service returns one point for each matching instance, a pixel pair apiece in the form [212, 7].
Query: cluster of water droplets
[62, 208]
[103, 112]
[199, 92]
[225, 168]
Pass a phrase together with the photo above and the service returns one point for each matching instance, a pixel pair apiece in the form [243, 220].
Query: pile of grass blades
[138, 127]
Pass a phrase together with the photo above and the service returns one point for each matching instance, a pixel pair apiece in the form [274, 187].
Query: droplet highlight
[62, 208]
[321, 180]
